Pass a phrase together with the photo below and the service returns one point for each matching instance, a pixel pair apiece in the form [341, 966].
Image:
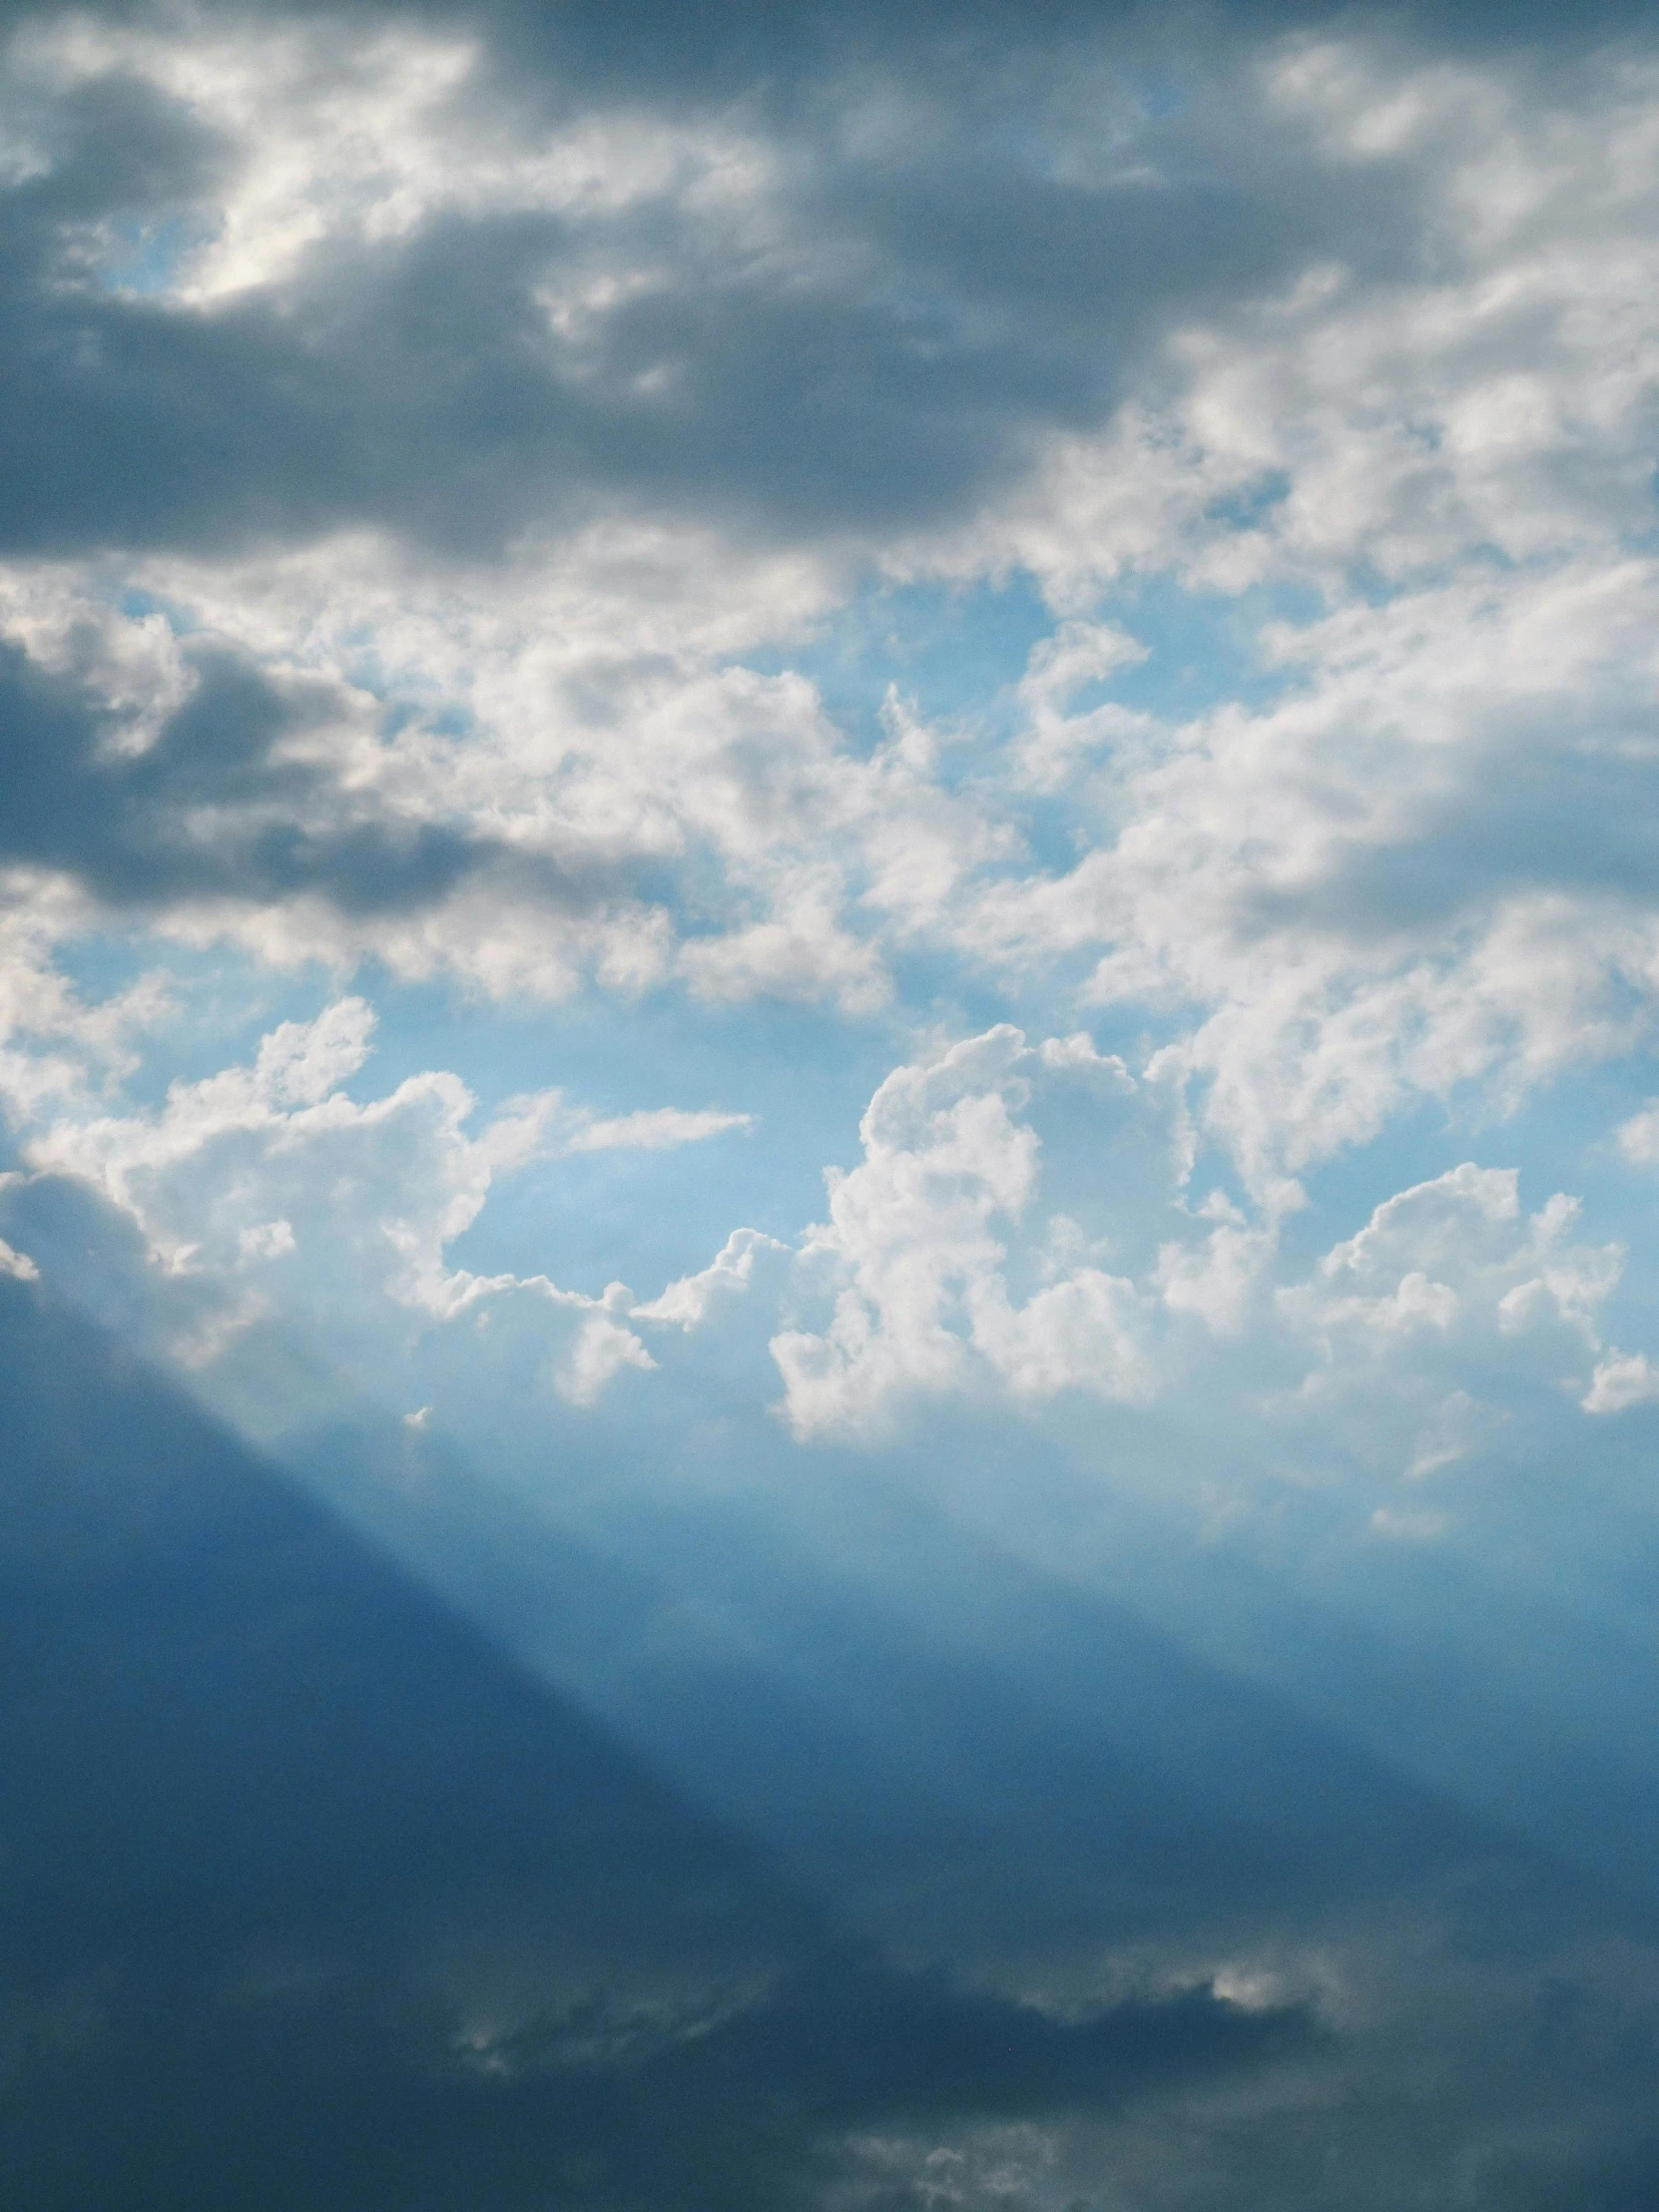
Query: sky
[828, 1127]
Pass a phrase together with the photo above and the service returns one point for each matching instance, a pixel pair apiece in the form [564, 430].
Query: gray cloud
[929, 304]
[212, 810]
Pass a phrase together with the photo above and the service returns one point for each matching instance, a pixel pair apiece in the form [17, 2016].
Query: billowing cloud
[1441, 1321]
[272, 1182]
[1622, 1379]
[914, 1263]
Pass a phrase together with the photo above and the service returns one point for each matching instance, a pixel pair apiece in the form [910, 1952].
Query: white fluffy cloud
[1447, 1313]
[277, 1185]
[958, 1260]
[912, 1258]
[1426, 1328]
[1622, 1379]
[1415, 870]
[1453, 1250]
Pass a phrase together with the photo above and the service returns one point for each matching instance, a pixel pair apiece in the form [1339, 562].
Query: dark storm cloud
[720, 49]
[940, 303]
[927, 308]
[212, 810]
[277, 1827]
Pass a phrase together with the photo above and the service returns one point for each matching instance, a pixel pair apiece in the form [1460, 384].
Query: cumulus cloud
[1446, 1313]
[1420, 867]
[950, 1264]
[1622, 1379]
[274, 1169]
[938, 1275]
[912, 1262]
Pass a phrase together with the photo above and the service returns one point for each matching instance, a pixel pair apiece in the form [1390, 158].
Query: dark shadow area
[1628, 2182]
[311, 1900]
[964, 1755]
[215, 808]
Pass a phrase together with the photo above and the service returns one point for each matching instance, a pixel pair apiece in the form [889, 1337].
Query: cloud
[1622, 1379]
[1488, 392]
[1466, 1224]
[812, 313]
[688, 1301]
[1447, 1315]
[1638, 1138]
[17, 1264]
[242, 794]
[912, 1260]
[654, 1129]
[1419, 869]
[942, 539]
[603, 1347]
[968, 1255]
[273, 1169]
[569, 387]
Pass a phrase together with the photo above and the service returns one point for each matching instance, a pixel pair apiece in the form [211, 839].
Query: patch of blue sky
[403, 713]
[1249, 505]
[407, 693]
[143, 260]
[804, 1074]
[935, 988]
[1418, 1143]
[939, 993]
[1559, 1129]
[1202, 648]
[953, 652]
[135, 603]
[219, 1003]
[956, 655]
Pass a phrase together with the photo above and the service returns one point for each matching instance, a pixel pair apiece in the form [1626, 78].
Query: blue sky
[829, 971]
